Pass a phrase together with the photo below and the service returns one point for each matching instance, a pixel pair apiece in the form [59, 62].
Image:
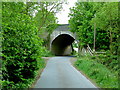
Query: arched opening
[62, 45]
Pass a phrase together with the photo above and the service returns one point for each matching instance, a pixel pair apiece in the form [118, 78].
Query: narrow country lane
[59, 73]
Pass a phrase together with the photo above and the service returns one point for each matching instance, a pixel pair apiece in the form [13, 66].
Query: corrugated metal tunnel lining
[62, 45]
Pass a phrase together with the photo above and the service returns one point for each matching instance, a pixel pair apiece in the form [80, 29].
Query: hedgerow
[21, 46]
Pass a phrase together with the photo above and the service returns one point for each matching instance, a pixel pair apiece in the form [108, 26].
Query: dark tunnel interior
[62, 45]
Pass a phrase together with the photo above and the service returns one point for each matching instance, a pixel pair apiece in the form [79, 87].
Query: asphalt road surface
[59, 73]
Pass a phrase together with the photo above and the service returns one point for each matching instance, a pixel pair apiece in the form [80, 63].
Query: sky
[63, 15]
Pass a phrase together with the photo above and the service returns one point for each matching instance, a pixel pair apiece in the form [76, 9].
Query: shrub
[21, 46]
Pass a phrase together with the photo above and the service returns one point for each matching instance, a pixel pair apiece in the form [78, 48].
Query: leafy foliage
[107, 21]
[87, 16]
[22, 42]
[79, 22]
[21, 46]
[102, 17]
[45, 19]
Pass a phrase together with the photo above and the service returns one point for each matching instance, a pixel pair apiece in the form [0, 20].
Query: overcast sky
[63, 15]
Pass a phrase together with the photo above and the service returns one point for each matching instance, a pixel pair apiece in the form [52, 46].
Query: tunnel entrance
[62, 45]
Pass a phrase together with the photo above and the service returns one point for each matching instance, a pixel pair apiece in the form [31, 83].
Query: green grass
[41, 65]
[99, 73]
[46, 52]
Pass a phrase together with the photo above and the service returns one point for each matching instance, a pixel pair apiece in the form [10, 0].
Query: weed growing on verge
[99, 73]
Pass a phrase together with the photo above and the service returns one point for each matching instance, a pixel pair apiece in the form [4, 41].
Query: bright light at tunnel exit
[63, 15]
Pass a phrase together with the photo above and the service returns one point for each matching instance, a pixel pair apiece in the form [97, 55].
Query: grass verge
[42, 65]
[99, 73]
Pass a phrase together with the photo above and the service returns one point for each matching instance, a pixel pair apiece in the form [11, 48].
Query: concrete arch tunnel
[62, 44]
[61, 40]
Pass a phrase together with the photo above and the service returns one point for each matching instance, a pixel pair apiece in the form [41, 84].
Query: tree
[80, 17]
[45, 17]
[82, 20]
[105, 15]
[44, 12]
[106, 19]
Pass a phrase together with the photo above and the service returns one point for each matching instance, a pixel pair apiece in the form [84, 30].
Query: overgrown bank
[39, 71]
[99, 73]
[21, 47]
[22, 44]
[96, 25]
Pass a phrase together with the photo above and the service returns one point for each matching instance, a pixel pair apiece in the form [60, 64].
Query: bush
[21, 46]
[46, 53]
[107, 59]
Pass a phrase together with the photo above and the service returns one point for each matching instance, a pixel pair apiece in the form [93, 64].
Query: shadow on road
[65, 56]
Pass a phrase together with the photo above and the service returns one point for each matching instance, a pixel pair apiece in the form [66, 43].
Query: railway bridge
[61, 40]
